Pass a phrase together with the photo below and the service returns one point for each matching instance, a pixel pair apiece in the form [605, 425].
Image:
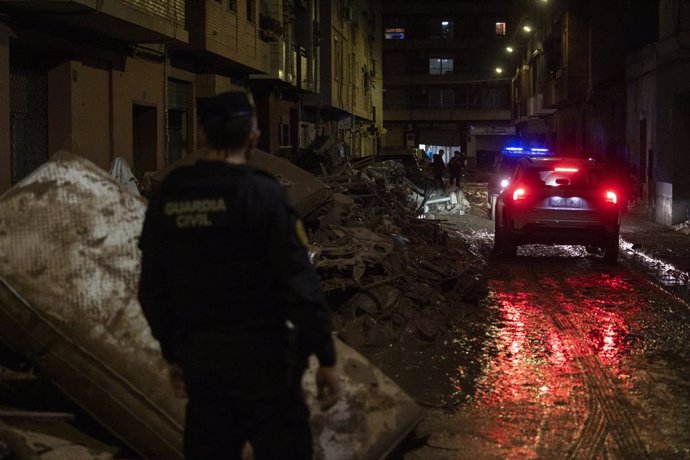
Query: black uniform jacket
[224, 267]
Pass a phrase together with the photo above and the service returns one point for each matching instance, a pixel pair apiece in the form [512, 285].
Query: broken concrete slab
[68, 281]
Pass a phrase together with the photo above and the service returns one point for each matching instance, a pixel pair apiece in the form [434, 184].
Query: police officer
[228, 291]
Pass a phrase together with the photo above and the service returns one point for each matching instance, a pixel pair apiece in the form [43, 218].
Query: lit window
[397, 33]
[446, 29]
[500, 28]
[440, 66]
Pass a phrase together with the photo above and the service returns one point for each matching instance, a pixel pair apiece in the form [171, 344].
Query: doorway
[28, 118]
[144, 139]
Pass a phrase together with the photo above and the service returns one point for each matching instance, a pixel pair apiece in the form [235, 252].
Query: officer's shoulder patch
[301, 232]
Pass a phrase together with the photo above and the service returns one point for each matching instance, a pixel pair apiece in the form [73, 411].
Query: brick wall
[171, 10]
[232, 35]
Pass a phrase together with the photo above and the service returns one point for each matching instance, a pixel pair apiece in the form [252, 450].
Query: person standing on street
[439, 170]
[229, 292]
[455, 167]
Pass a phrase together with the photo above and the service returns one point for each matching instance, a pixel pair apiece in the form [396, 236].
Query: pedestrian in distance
[439, 167]
[229, 292]
[456, 166]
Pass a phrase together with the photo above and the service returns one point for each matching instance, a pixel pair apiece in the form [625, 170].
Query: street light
[527, 29]
[510, 49]
[499, 70]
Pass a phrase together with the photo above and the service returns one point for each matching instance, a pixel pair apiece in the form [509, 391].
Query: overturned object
[68, 282]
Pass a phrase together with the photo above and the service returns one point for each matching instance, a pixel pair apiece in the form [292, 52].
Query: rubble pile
[68, 281]
[390, 274]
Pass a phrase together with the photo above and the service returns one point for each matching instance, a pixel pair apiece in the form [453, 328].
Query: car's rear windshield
[564, 177]
[507, 165]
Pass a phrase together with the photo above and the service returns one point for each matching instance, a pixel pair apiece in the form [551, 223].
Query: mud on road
[566, 358]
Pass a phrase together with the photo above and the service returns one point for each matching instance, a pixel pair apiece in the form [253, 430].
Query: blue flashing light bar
[514, 150]
[533, 151]
[539, 151]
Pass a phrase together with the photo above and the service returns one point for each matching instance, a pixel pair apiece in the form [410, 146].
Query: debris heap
[389, 272]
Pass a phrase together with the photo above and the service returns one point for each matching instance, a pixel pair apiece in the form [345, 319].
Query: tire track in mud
[607, 416]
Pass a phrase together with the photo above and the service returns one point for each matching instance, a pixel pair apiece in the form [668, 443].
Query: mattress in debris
[69, 269]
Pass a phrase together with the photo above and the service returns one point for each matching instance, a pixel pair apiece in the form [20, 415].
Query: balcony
[425, 44]
[221, 38]
[282, 65]
[535, 106]
[421, 76]
[132, 21]
[458, 112]
[556, 89]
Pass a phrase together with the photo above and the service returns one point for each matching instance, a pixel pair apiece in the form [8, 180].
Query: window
[440, 66]
[395, 33]
[251, 10]
[439, 98]
[500, 28]
[178, 100]
[230, 4]
[446, 29]
[284, 134]
[396, 97]
[337, 59]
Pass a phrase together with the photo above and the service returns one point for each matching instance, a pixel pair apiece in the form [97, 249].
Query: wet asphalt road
[567, 358]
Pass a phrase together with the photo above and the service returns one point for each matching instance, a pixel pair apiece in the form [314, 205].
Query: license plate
[559, 202]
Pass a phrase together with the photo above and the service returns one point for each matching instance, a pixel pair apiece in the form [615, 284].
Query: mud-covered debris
[388, 273]
[68, 280]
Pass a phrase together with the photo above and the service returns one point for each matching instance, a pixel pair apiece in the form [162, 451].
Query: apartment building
[84, 76]
[348, 104]
[658, 115]
[442, 89]
[571, 92]
[126, 78]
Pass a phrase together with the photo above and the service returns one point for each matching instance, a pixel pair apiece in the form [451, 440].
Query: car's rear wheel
[498, 240]
[611, 250]
[492, 207]
[509, 249]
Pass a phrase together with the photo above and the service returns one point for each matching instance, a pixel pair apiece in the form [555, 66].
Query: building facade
[617, 90]
[442, 89]
[75, 75]
[658, 115]
[126, 78]
[349, 102]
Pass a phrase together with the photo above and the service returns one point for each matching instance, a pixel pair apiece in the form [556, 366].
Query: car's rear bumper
[591, 233]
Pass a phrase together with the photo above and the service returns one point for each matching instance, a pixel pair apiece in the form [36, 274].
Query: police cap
[229, 105]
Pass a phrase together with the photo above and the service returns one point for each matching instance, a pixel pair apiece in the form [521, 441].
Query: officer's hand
[328, 386]
[176, 377]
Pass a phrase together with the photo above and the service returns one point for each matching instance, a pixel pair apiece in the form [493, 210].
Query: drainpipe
[111, 115]
[166, 139]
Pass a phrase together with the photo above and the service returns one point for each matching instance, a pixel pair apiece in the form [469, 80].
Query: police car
[503, 169]
[552, 200]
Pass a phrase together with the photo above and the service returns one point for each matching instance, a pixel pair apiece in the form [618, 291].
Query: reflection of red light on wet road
[534, 366]
[530, 356]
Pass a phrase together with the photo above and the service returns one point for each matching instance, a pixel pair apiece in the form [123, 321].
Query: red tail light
[611, 197]
[519, 194]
